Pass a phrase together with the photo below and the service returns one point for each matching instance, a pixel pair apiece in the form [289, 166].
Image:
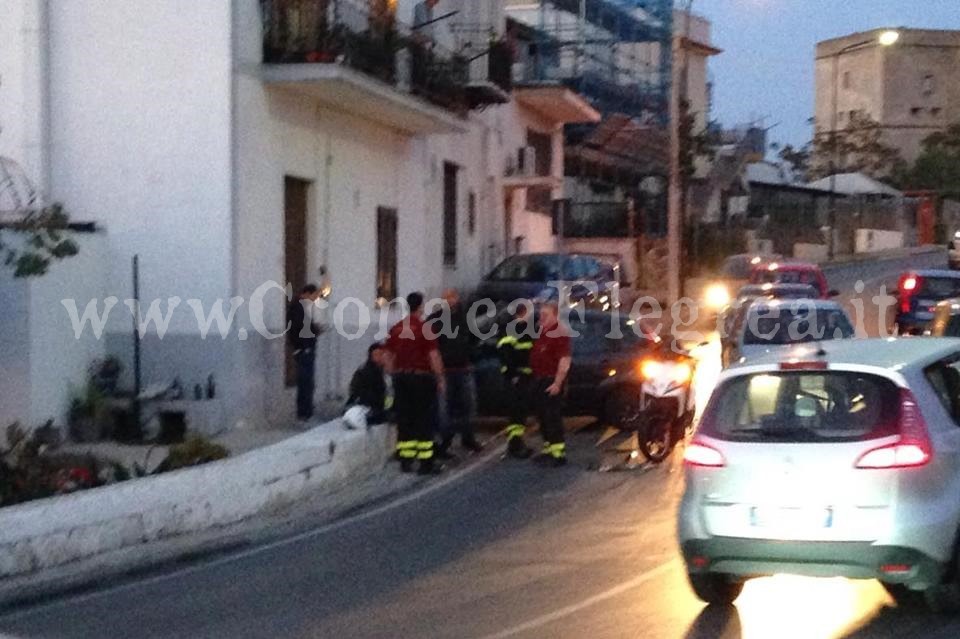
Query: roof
[770, 173]
[787, 266]
[855, 184]
[888, 352]
[933, 272]
[804, 303]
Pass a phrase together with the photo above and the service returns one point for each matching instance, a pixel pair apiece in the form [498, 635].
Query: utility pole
[675, 199]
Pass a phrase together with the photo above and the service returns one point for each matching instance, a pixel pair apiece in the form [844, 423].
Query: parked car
[528, 276]
[771, 326]
[946, 319]
[792, 273]
[731, 318]
[838, 464]
[918, 293]
[953, 251]
[603, 380]
[734, 273]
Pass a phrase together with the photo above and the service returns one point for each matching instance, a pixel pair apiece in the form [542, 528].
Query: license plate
[786, 518]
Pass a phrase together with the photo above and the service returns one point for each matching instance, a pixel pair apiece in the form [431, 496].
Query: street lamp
[886, 38]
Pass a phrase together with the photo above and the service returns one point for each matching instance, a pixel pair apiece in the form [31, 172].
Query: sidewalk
[882, 256]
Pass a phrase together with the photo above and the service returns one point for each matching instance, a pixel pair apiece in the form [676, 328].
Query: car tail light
[909, 284]
[702, 455]
[911, 450]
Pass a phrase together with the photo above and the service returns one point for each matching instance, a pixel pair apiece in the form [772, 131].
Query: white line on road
[566, 611]
[430, 488]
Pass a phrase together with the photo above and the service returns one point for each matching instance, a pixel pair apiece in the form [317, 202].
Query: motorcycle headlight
[681, 373]
[651, 368]
[716, 296]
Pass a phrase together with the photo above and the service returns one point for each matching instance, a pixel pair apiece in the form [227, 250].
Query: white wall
[140, 113]
[14, 350]
[58, 360]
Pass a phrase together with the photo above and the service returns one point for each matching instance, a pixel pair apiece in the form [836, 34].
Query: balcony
[490, 79]
[597, 219]
[360, 59]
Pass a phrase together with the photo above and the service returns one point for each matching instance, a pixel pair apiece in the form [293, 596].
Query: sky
[766, 68]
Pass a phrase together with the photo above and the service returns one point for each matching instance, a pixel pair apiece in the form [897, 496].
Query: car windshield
[527, 268]
[939, 287]
[793, 325]
[796, 291]
[808, 406]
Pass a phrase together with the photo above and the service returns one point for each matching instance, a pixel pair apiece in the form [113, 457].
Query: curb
[53, 532]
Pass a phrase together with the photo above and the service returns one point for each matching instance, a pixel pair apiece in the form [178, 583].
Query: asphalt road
[504, 549]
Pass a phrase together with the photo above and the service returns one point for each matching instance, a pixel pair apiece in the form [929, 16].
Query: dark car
[917, 296]
[528, 276]
[601, 381]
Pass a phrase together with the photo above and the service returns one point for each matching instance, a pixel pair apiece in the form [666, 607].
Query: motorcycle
[667, 403]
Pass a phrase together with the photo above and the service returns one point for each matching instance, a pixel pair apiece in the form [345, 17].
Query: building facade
[911, 88]
[245, 147]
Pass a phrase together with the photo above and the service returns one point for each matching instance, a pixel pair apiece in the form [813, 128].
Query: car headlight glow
[716, 296]
[651, 368]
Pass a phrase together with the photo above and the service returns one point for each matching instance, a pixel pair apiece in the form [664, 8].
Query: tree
[859, 148]
[31, 243]
[937, 168]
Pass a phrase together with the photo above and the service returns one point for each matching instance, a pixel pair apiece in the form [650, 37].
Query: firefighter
[550, 361]
[513, 349]
[418, 378]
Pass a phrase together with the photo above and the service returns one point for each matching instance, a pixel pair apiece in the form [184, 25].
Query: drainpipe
[36, 93]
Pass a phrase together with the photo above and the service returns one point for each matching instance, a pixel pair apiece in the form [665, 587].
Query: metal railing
[368, 39]
[490, 55]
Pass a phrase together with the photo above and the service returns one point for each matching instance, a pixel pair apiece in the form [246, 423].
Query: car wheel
[621, 405]
[716, 588]
[903, 596]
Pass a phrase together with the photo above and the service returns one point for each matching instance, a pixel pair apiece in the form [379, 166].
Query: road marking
[566, 611]
[432, 487]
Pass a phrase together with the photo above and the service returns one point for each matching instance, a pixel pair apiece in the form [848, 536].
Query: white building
[224, 172]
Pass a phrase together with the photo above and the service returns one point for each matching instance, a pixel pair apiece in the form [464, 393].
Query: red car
[792, 273]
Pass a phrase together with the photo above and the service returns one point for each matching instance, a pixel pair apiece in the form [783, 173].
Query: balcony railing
[368, 39]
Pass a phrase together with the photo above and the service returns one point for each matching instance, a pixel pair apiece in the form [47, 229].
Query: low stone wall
[51, 532]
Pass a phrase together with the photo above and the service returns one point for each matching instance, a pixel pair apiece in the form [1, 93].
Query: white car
[840, 459]
[772, 325]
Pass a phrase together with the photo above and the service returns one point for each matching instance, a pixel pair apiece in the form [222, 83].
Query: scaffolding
[616, 53]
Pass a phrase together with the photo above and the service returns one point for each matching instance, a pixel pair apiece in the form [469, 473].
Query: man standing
[550, 363]
[456, 407]
[513, 349]
[418, 377]
[302, 337]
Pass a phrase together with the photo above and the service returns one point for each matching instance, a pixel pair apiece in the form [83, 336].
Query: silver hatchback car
[833, 459]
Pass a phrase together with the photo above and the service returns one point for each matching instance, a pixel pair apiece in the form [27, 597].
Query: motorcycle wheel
[656, 439]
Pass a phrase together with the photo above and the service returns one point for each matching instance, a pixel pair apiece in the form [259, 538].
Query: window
[472, 213]
[936, 111]
[450, 175]
[945, 380]
[916, 111]
[832, 406]
[929, 85]
[542, 144]
[847, 80]
[386, 253]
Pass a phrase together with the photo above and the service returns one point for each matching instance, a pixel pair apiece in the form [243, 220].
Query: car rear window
[796, 325]
[939, 287]
[786, 276]
[527, 268]
[797, 407]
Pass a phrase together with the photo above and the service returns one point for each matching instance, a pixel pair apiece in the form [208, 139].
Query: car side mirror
[833, 292]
